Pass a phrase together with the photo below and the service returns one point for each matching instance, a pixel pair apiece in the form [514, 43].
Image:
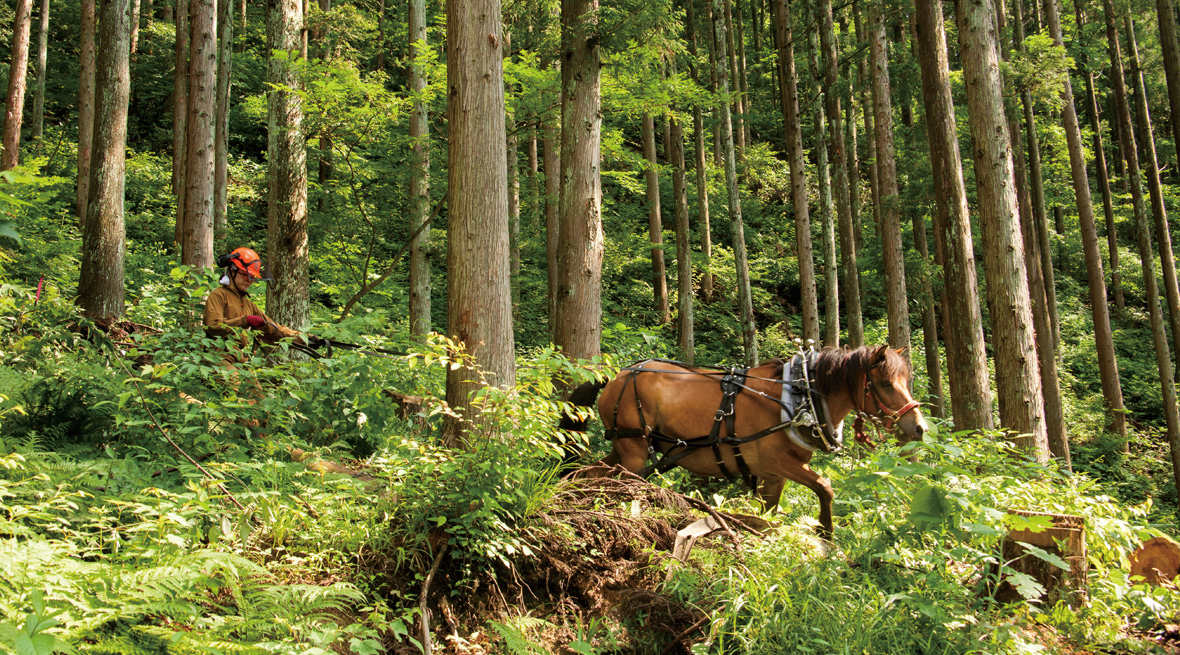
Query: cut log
[1157, 560]
[1065, 539]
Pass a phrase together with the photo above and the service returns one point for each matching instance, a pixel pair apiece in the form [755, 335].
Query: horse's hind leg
[630, 452]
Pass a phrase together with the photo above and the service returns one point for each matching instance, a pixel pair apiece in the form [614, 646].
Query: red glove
[255, 321]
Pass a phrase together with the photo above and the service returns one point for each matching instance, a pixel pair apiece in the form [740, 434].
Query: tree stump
[1065, 539]
[1157, 560]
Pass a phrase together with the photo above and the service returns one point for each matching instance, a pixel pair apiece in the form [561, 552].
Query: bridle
[887, 418]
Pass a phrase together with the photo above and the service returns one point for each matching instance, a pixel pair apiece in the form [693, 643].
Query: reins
[888, 418]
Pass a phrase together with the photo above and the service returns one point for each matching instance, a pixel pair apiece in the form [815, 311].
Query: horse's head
[885, 397]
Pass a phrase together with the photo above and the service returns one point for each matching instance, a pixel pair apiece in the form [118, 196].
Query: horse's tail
[583, 395]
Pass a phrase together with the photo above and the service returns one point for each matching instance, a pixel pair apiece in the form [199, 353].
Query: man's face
[242, 281]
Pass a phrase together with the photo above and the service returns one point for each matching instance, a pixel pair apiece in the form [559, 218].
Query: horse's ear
[878, 355]
[902, 351]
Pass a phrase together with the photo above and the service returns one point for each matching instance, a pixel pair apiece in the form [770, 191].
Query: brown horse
[716, 422]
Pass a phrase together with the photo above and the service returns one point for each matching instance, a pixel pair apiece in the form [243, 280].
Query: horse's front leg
[630, 452]
[823, 490]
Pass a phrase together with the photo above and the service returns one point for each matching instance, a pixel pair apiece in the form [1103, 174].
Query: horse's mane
[847, 366]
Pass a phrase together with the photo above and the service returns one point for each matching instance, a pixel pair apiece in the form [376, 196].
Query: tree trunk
[698, 124]
[961, 316]
[849, 231]
[513, 159]
[479, 300]
[685, 343]
[1170, 53]
[1108, 371]
[197, 239]
[420, 177]
[1017, 375]
[739, 109]
[1143, 239]
[85, 107]
[655, 224]
[827, 218]
[286, 197]
[39, 92]
[892, 252]
[793, 136]
[180, 115]
[381, 35]
[100, 284]
[870, 128]
[552, 162]
[743, 81]
[225, 40]
[135, 6]
[1112, 244]
[580, 240]
[18, 68]
[838, 157]
[744, 302]
[1158, 211]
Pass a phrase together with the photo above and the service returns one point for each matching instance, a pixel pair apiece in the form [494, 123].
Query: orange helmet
[248, 262]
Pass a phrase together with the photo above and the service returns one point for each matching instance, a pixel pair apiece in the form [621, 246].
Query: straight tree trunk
[197, 240]
[1099, 151]
[100, 284]
[1143, 239]
[324, 172]
[739, 109]
[827, 217]
[550, 144]
[685, 342]
[1158, 210]
[961, 316]
[745, 304]
[180, 115]
[18, 68]
[39, 92]
[838, 157]
[85, 106]
[698, 124]
[896, 298]
[420, 178]
[286, 197]
[512, 155]
[1018, 377]
[849, 231]
[743, 81]
[655, 223]
[866, 101]
[381, 35]
[1170, 53]
[135, 6]
[1108, 371]
[225, 40]
[479, 293]
[793, 136]
[580, 240]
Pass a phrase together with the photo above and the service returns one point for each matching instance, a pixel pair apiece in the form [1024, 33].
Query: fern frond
[514, 637]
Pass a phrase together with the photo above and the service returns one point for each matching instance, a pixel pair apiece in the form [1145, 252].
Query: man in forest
[229, 306]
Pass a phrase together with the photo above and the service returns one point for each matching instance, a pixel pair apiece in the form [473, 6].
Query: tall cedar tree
[18, 67]
[831, 330]
[100, 284]
[1158, 211]
[550, 147]
[225, 39]
[200, 148]
[745, 303]
[655, 222]
[42, 57]
[479, 291]
[85, 106]
[892, 252]
[1108, 370]
[698, 126]
[1018, 377]
[180, 114]
[961, 315]
[1159, 337]
[793, 134]
[580, 239]
[286, 188]
[420, 173]
[684, 297]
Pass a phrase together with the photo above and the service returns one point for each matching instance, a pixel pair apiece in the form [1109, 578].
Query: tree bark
[870, 128]
[39, 92]
[739, 109]
[580, 240]
[286, 198]
[1108, 370]
[197, 240]
[135, 7]
[420, 177]
[892, 252]
[698, 124]
[827, 218]
[655, 224]
[100, 284]
[793, 136]
[1170, 53]
[685, 342]
[225, 39]
[479, 294]
[1154, 190]
[961, 315]
[849, 231]
[180, 115]
[838, 157]
[550, 144]
[85, 106]
[1018, 377]
[744, 302]
[18, 68]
